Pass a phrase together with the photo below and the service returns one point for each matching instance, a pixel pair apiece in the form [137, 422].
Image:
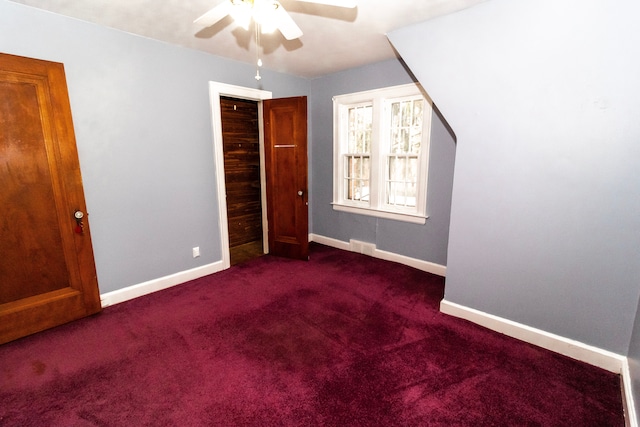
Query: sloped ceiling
[334, 38]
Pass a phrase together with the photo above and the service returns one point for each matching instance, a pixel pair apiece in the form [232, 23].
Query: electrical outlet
[196, 251]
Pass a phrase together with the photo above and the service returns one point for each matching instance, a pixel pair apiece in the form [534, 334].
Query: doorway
[241, 147]
[286, 128]
[216, 91]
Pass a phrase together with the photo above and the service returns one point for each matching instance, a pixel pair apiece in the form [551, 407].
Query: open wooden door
[285, 140]
[47, 270]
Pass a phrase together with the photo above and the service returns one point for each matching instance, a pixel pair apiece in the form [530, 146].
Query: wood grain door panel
[27, 197]
[47, 270]
[285, 131]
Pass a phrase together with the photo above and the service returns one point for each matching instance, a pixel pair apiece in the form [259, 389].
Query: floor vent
[362, 247]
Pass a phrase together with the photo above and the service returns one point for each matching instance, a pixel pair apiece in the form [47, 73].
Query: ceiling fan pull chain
[258, 60]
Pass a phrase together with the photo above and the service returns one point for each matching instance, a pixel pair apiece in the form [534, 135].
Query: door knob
[78, 215]
[300, 193]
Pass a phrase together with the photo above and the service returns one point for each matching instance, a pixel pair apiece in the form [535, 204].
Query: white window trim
[374, 207]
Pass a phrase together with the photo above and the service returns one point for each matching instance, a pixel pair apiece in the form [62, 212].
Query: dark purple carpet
[341, 340]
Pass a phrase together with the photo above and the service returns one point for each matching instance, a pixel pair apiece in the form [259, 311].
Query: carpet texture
[340, 340]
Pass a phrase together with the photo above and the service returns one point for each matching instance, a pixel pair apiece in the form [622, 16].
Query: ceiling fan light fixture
[268, 28]
[265, 14]
[241, 12]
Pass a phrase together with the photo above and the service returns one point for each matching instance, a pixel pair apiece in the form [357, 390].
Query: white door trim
[215, 91]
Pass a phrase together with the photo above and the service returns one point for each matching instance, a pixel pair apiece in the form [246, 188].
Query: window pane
[402, 178]
[412, 169]
[396, 140]
[357, 173]
[396, 169]
[416, 129]
[358, 167]
[406, 126]
[407, 115]
[405, 139]
[360, 126]
[357, 190]
[401, 194]
[418, 105]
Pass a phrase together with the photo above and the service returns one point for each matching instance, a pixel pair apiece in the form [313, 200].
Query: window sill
[412, 218]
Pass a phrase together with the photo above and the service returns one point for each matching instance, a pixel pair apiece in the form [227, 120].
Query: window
[381, 148]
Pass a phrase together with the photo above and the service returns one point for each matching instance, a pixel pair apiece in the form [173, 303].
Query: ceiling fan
[269, 15]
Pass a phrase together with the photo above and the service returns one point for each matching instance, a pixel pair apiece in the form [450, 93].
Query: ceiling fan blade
[339, 3]
[286, 24]
[214, 15]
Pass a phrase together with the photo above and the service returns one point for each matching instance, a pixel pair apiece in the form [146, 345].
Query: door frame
[216, 90]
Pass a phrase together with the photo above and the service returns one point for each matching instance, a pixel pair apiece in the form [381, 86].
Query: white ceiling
[334, 38]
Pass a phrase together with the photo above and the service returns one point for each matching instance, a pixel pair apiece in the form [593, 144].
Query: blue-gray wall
[426, 242]
[143, 129]
[543, 98]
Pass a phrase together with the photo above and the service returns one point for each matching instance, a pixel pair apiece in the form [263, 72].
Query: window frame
[381, 100]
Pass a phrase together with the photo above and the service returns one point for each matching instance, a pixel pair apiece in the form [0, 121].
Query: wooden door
[241, 148]
[47, 271]
[285, 136]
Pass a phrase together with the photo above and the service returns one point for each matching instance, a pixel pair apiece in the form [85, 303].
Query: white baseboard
[604, 359]
[130, 292]
[627, 396]
[419, 264]
[429, 267]
[328, 241]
